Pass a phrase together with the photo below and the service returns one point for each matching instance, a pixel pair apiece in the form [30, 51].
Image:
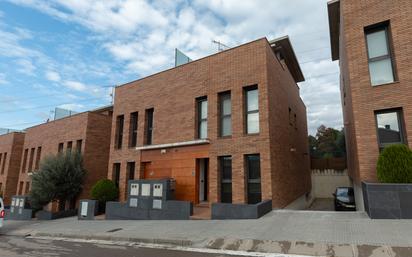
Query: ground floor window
[116, 173]
[390, 127]
[254, 187]
[225, 164]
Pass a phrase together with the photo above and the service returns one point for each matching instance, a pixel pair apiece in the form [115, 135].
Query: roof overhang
[284, 46]
[171, 145]
[334, 26]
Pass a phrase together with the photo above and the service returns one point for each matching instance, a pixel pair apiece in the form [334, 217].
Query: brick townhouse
[372, 41]
[87, 132]
[11, 146]
[230, 127]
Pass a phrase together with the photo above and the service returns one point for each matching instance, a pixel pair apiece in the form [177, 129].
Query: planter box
[46, 215]
[387, 201]
[222, 211]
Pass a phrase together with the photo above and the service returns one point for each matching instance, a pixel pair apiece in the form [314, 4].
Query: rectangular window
[119, 131]
[1, 159]
[252, 110]
[149, 126]
[390, 127]
[38, 156]
[133, 129]
[79, 145]
[225, 164]
[27, 190]
[61, 146]
[3, 165]
[225, 110]
[254, 187]
[69, 145]
[201, 117]
[116, 173]
[380, 59]
[31, 159]
[21, 187]
[26, 152]
[130, 170]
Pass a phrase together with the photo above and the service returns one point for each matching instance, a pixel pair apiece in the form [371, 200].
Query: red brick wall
[12, 144]
[361, 98]
[94, 131]
[172, 94]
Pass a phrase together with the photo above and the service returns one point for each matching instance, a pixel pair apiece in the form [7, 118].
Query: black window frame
[79, 144]
[149, 126]
[3, 164]
[60, 148]
[116, 173]
[225, 197]
[133, 128]
[401, 125]
[69, 145]
[255, 198]
[222, 97]
[247, 112]
[119, 131]
[199, 118]
[382, 26]
[131, 168]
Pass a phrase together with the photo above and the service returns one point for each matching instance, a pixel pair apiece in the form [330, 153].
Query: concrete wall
[324, 182]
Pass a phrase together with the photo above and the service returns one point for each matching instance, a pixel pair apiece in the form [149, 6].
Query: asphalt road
[18, 246]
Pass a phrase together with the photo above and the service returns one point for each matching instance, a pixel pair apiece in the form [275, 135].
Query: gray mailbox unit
[87, 209]
[19, 208]
[150, 199]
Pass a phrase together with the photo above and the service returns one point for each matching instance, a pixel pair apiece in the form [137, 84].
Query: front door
[203, 173]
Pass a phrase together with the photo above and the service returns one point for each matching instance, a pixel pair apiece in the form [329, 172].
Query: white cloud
[72, 106]
[53, 76]
[141, 36]
[75, 85]
[3, 80]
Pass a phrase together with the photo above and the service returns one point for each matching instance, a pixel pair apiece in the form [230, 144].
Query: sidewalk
[296, 232]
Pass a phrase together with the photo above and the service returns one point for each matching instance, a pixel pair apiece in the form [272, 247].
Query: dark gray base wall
[46, 215]
[222, 211]
[387, 201]
[15, 213]
[173, 210]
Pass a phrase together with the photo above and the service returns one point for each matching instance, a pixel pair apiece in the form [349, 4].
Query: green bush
[395, 164]
[104, 190]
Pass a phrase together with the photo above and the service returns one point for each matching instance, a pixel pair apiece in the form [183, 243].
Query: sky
[69, 53]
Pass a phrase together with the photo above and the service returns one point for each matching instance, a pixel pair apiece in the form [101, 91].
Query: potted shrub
[392, 197]
[104, 191]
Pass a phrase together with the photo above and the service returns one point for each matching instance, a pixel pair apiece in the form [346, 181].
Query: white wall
[324, 182]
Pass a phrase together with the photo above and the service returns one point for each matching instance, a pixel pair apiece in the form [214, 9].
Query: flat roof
[284, 46]
[334, 27]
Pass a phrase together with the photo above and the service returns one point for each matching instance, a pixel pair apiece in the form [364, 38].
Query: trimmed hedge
[395, 164]
[104, 190]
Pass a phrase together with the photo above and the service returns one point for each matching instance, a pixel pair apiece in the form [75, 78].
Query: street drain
[114, 230]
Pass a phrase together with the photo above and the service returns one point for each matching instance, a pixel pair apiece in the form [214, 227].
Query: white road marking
[169, 247]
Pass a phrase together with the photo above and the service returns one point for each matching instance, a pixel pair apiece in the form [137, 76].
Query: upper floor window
[225, 110]
[390, 127]
[133, 129]
[252, 110]
[149, 126]
[202, 117]
[379, 54]
[119, 131]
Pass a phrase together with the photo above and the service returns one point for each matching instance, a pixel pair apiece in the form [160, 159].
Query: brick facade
[89, 130]
[11, 146]
[348, 19]
[283, 149]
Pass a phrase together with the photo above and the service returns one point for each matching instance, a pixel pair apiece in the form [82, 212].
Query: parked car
[344, 199]
[2, 212]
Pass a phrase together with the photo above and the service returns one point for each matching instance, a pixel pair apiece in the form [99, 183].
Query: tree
[59, 178]
[327, 143]
[395, 164]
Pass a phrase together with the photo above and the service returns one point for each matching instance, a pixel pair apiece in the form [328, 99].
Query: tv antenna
[220, 46]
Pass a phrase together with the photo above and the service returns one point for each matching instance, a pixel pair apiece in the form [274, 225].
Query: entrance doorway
[203, 168]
